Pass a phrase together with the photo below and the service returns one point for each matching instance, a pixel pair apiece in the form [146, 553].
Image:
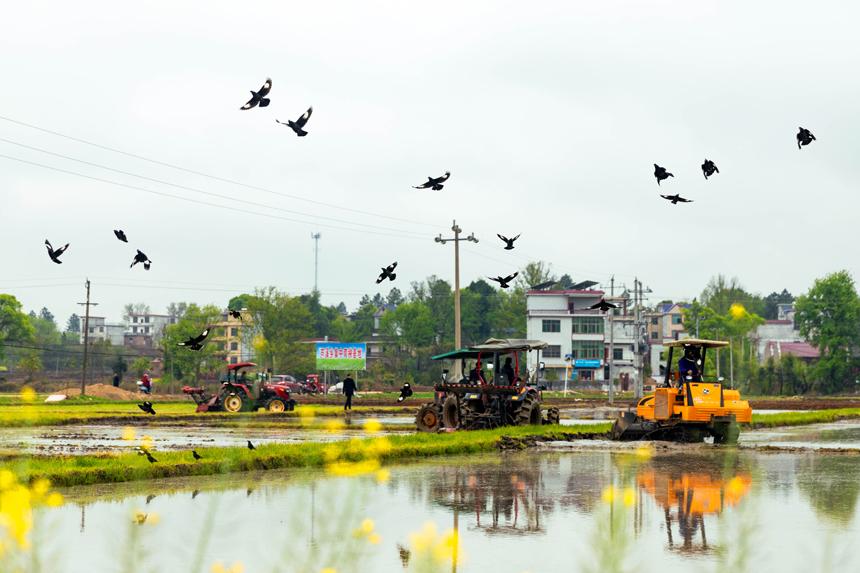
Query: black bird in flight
[387, 273]
[251, 446]
[195, 493]
[297, 125]
[120, 234]
[603, 305]
[675, 199]
[235, 314]
[503, 281]
[434, 183]
[196, 342]
[804, 137]
[55, 254]
[259, 98]
[149, 498]
[145, 452]
[195, 455]
[509, 242]
[147, 408]
[709, 168]
[660, 173]
[405, 392]
[141, 257]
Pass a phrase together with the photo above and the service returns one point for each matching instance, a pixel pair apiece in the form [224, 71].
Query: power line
[57, 350]
[210, 176]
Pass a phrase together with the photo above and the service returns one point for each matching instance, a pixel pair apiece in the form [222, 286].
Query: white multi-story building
[145, 330]
[100, 330]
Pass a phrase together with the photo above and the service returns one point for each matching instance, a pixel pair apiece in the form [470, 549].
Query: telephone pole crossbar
[456, 239]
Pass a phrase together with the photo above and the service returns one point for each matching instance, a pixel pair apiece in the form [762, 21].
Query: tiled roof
[799, 349]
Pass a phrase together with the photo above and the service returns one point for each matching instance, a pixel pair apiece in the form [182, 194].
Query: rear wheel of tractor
[552, 416]
[233, 403]
[529, 412]
[451, 412]
[429, 417]
[276, 405]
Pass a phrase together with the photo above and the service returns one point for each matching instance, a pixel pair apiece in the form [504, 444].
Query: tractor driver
[690, 365]
[508, 371]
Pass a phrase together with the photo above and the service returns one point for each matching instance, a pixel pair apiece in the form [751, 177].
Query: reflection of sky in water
[839, 435]
[523, 512]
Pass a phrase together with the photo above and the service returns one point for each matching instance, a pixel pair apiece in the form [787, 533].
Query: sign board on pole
[586, 363]
[341, 356]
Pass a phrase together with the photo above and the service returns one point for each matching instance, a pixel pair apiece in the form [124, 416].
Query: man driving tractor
[690, 364]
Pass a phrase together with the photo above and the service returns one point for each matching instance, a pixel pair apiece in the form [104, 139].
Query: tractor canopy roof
[500, 345]
[700, 342]
[239, 365]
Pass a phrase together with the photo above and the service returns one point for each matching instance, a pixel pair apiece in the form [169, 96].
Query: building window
[552, 351]
[146, 319]
[101, 329]
[234, 346]
[654, 335]
[134, 320]
[552, 326]
[234, 331]
[587, 349]
[618, 354]
[146, 330]
[588, 325]
[234, 360]
[655, 321]
[676, 319]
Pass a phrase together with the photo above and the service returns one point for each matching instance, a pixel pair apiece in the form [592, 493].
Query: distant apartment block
[100, 330]
[144, 331]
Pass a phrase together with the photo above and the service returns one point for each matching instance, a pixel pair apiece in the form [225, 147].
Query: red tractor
[239, 393]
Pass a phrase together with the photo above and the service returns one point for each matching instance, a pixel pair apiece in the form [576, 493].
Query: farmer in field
[349, 389]
[146, 383]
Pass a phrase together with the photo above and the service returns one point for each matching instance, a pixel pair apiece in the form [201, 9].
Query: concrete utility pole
[471, 238]
[87, 304]
[316, 238]
[611, 359]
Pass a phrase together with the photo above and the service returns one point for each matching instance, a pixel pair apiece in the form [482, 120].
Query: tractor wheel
[529, 412]
[451, 412]
[552, 416]
[233, 403]
[276, 405]
[429, 417]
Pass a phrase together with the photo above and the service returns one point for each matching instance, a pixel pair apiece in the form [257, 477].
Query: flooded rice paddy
[702, 509]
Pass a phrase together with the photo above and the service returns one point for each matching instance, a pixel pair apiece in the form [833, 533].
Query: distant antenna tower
[316, 238]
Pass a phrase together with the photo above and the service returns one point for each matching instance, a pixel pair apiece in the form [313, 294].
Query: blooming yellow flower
[333, 426]
[644, 451]
[328, 570]
[128, 434]
[146, 442]
[141, 518]
[306, 416]
[28, 394]
[16, 514]
[608, 494]
[54, 499]
[373, 426]
[367, 526]
[439, 548]
[629, 498]
[7, 479]
[737, 310]
[374, 538]
[349, 469]
[218, 567]
[383, 475]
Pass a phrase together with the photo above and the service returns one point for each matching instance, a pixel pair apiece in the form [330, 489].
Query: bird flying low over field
[405, 392]
[235, 314]
[434, 183]
[145, 452]
[120, 234]
[804, 137]
[146, 407]
[709, 168]
[387, 273]
[297, 125]
[660, 173]
[603, 305]
[509, 243]
[259, 98]
[195, 342]
[503, 281]
[675, 199]
[141, 257]
[55, 254]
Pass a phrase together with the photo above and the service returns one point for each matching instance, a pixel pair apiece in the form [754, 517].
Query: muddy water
[689, 510]
[844, 435]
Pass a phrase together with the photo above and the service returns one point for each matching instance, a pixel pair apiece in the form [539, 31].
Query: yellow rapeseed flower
[54, 499]
[373, 426]
[644, 451]
[306, 416]
[328, 570]
[737, 310]
[128, 434]
[367, 526]
[218, 567]
[629, 498]
[141, 518]
[440, 548]
[374, 538]
[146, 442]
[334, 426]
[349, 469]
[383, 475]
[7, 479]
[28, 394]
[608, 494]
[16, 514]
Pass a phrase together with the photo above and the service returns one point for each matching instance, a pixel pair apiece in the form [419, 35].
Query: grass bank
[803, 418]
[65, 471]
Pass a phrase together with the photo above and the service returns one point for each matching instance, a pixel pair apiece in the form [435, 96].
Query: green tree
[187, 364]
[15, 325]
[135, 308]
[176, 310]
[73, 324]
[534, 273]
[721, 293]
[31, 363]
[285, 323]
[239, 302]
[138, 366]
[119, 366]
[46, 314]
[772, 302]
[394, 297]
[508, 317]
[829, 317]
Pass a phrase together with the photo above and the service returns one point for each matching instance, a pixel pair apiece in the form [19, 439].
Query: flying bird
[120, 234]
[55, 254]
[150, 497]
[259, 98]
[405, 392]
[195, 493]
[147, 408]
[251, 446]
[195, 455]
[709, 168]
[235, 314]
[660, 173]
[297, 125]
[603, 305]
[196, 342]
[509, 242]
[434, 183]
[675, 199]
[387, 273]
[141, 257]
[144, 452]
[804, 137]
[503, 281]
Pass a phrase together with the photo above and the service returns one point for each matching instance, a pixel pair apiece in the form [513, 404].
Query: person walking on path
[116, 380]
[349, 389]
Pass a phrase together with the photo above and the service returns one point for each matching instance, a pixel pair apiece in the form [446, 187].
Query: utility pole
[637, 387]
[316, 238]
[611, 358]
[471, 238]
[87, 304]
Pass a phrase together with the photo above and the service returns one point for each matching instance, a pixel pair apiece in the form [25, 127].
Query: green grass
[802, 418]
[84, 470]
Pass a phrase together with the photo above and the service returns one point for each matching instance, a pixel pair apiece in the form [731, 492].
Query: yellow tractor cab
[688, 406]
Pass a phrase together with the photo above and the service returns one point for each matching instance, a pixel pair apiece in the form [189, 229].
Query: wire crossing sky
[549, 116]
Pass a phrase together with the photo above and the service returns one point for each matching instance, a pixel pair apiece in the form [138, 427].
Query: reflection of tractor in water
[478, 401]
[238, 393]
[688, 407]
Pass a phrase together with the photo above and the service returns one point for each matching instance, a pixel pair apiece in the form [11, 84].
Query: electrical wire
[59, 351]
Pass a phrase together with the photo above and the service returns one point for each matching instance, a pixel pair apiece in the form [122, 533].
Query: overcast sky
[548, 114]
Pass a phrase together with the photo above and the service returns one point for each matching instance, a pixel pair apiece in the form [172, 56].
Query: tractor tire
[451, 412]
[276, 405]
[429, 417]
[552, 416]
[233, 403]
[529, 411]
